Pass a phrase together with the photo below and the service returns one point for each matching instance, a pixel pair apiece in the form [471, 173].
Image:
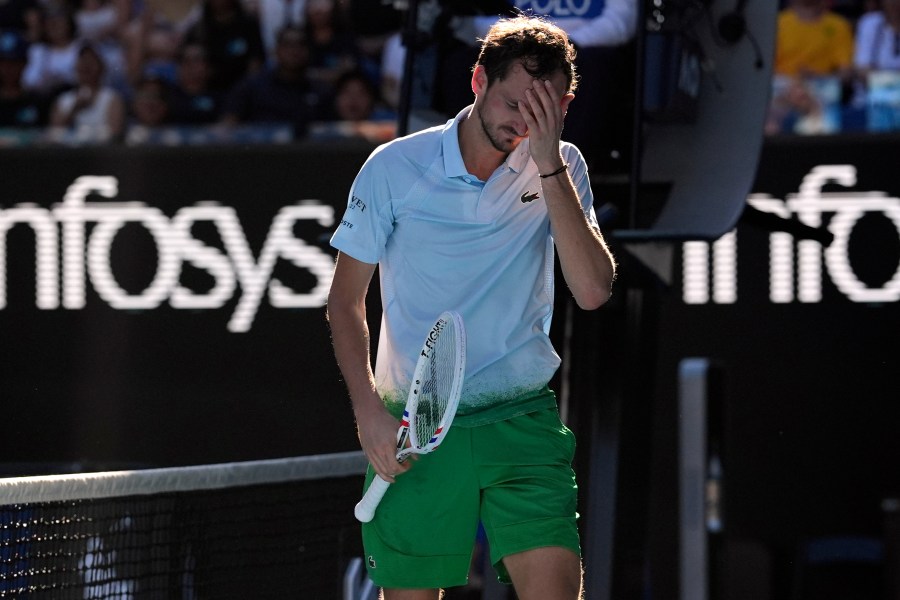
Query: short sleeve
[368, 219]
[578, 170]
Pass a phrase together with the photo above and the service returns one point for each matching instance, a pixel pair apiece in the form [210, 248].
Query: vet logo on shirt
[357, 204]
[529, 197]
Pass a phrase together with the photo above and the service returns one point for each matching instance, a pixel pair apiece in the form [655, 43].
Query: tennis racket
[431, 403]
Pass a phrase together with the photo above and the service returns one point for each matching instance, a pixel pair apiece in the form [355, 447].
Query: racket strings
[436, 387]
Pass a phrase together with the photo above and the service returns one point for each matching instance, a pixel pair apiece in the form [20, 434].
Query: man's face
[89, 68]
[291, 51]
[497, 105]
[353, 102]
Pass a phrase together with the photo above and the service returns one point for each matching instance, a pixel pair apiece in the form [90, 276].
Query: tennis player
[467, 217]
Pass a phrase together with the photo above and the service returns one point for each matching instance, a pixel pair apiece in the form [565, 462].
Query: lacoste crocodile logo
[528, 197]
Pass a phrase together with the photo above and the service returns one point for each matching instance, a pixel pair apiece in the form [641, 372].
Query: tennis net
[263, 529]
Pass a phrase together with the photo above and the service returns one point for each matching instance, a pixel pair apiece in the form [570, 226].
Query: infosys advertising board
[165, 306]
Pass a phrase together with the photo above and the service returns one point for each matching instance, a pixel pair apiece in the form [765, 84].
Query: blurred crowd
[177, 71]
[217, 71]
[837, 67]
[214, 71]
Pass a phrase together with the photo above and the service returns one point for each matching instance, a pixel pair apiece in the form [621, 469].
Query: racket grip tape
[365, 508]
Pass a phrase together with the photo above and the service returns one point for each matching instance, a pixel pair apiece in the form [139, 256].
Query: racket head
[437, 383]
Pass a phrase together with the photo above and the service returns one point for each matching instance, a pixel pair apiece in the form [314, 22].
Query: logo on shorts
[528, 197]
[371, 561]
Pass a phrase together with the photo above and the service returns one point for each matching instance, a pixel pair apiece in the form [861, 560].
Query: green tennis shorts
[514, 476]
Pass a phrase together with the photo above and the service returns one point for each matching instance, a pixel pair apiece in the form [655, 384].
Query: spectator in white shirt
[93, 112]
[878, 39]
[51, 62]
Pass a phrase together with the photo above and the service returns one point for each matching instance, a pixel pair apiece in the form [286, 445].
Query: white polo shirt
[444, 240]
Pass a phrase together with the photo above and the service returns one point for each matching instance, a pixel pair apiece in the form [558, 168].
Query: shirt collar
[453, 161]
[518, 158]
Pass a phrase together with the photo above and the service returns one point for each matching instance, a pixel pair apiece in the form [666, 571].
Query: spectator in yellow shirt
[813, 41]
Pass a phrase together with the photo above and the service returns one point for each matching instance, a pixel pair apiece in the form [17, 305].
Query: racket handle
[365, 508]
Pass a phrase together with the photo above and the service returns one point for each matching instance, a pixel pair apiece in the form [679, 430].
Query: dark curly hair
[540, 46]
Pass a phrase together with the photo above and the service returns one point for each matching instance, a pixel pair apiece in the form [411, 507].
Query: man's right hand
[377, 431]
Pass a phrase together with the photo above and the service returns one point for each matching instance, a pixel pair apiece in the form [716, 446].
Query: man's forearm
[587, 264]
[350, 337]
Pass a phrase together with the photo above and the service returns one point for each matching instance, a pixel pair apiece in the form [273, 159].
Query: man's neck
[479, 155]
